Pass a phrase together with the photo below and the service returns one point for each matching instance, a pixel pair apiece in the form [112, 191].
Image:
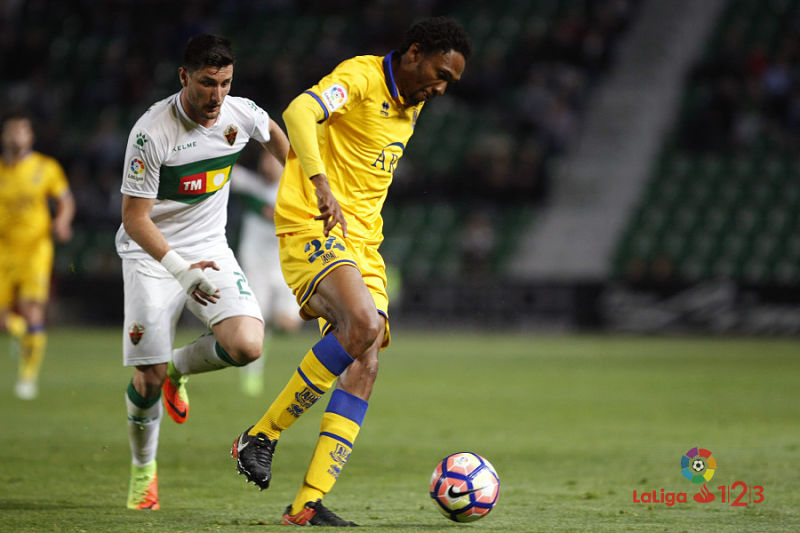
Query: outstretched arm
[278, 143]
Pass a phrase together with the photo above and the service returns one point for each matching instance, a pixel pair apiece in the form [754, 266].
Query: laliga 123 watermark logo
[699, 466]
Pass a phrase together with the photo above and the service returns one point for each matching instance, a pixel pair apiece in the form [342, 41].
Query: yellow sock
[317, 371]
[338, 431]
[15, 325]
[31, 355]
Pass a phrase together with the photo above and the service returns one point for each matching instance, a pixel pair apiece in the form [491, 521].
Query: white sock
[143, 427]
[202, 355]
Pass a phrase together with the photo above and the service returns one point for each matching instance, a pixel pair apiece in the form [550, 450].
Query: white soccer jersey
[187, 168]
[257, 232]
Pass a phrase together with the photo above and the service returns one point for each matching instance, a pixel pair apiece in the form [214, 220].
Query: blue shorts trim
[313, 285]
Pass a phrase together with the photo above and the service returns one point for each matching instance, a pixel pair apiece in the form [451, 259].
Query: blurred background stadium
[629, 165]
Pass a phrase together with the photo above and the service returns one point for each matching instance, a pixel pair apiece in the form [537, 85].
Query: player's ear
[415, 52]
[183, 74]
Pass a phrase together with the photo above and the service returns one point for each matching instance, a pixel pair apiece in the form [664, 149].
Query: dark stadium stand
[89, 70]
[724, 196]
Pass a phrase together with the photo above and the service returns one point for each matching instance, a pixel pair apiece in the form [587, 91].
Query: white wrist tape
[189, 278]
[174, 263]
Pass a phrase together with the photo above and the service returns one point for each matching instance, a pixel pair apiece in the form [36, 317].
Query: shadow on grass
[44, 505]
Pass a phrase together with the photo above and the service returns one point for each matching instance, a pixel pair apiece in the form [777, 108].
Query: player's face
[17, 135]
[203, 92]
[428, 75]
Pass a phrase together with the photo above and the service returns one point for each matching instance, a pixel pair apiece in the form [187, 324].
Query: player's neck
[189, 112]
[396, 62]
[12, 157]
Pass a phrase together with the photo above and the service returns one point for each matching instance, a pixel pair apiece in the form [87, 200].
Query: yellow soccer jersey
[24, 190]
[362, 133]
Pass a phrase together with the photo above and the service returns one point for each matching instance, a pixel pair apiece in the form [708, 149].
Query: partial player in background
[348, 133]
[258, 255]
[28, 179]
[174, 251]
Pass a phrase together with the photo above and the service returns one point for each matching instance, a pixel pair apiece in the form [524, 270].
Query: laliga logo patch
[230, 134]
[334, 97]
[135, 171]
[137, 166]
[135, 332]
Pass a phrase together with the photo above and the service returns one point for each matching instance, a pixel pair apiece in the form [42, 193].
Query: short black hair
[16, 114]
[438, 34]
[207, 51]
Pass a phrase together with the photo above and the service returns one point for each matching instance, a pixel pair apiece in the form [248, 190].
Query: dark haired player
[174, 252]
[347, 133]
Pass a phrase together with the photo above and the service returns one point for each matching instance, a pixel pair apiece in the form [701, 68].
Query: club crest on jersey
[230, 134]
[136, 332]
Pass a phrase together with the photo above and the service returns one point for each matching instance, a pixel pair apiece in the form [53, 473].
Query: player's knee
[148, 379]
[363, 331]
[247, 349]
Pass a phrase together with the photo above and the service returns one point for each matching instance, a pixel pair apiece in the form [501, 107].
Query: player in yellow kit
[28, 180]
[347, 134]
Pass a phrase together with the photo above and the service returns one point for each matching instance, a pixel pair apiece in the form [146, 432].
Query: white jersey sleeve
[250, 183]
[260, 122]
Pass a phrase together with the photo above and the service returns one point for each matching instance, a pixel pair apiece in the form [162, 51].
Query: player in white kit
[173, 247]
[258, 254]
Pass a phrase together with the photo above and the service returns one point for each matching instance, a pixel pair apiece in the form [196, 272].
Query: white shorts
[154, 301]
[266, 279]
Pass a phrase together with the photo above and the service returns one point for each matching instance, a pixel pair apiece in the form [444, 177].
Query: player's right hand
[330, 212]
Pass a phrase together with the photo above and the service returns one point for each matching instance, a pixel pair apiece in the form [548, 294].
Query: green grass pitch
[573, 424]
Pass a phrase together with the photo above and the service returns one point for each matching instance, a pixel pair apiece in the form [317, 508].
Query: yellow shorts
[25, 272]
[306, 258]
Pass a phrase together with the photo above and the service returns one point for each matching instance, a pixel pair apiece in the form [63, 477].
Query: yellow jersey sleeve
[300, 118]
[56, 180]
[341, 90]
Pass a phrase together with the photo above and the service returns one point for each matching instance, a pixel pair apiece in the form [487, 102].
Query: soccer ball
[464, 487]
[698, 465]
